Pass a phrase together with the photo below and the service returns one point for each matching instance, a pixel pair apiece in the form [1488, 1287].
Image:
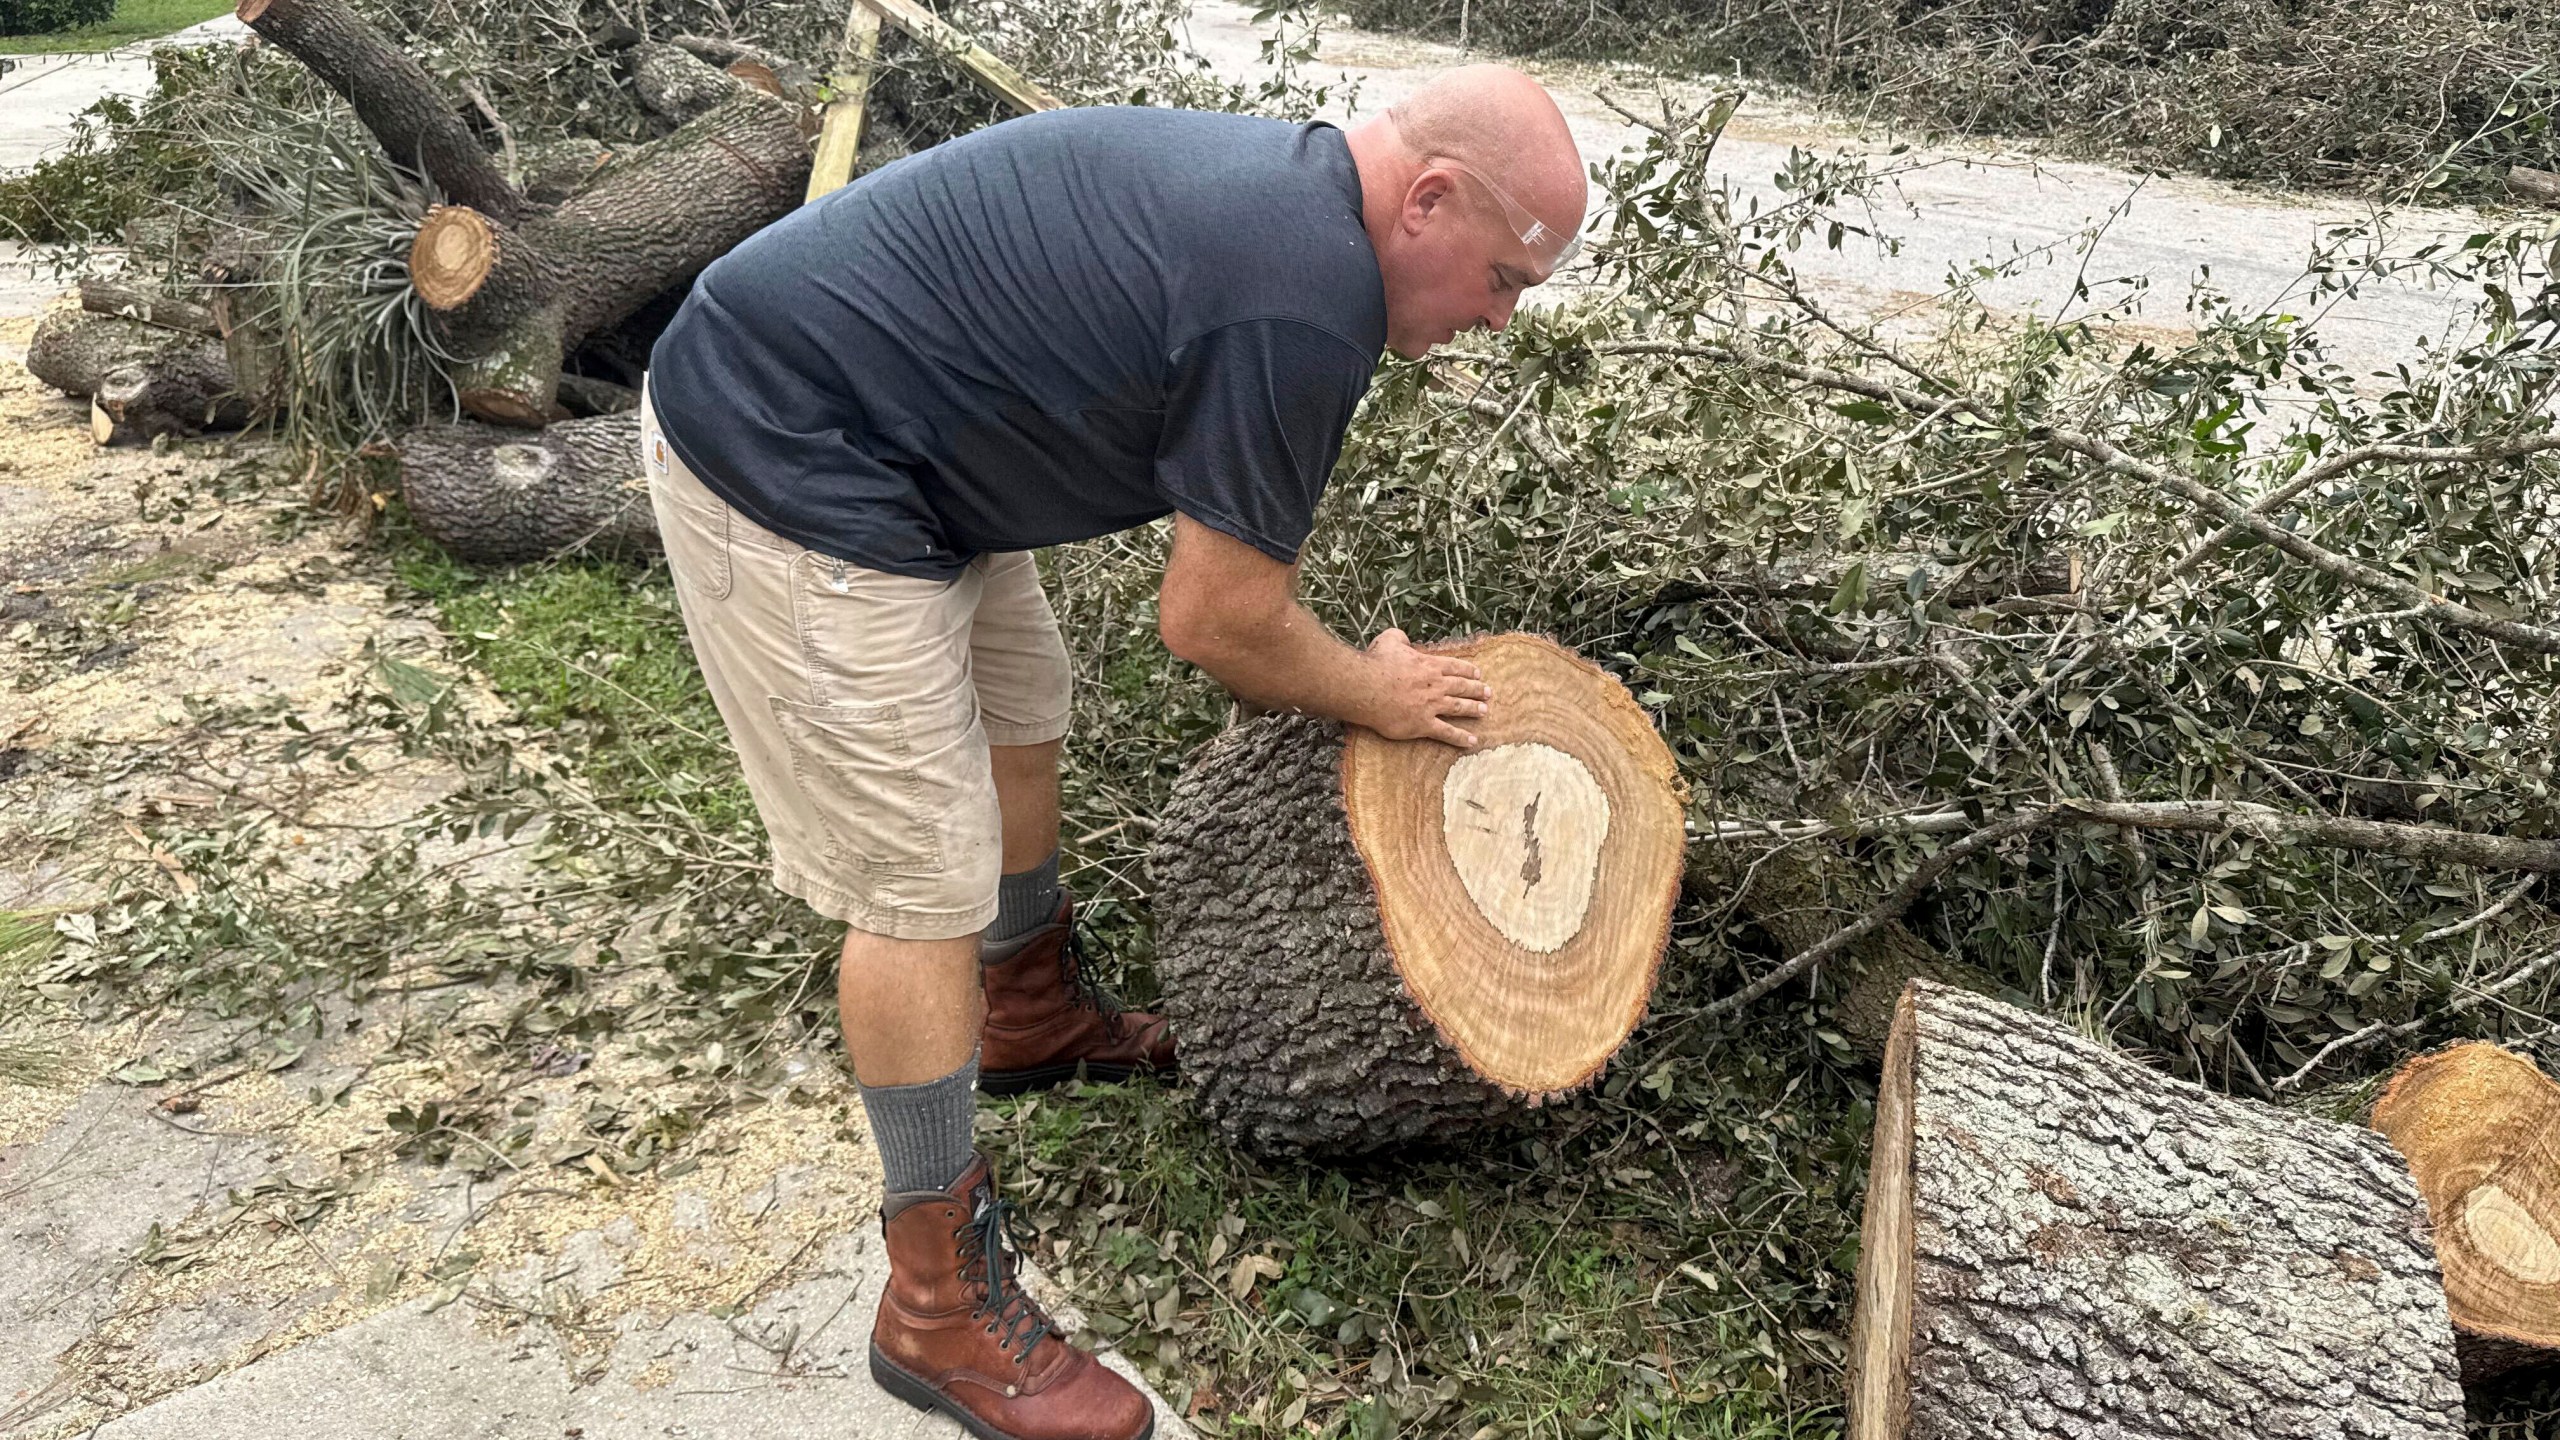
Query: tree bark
[108, 297]
[516, 300]
[2061, 1242]
[501, 496]
[392, 94]
[1368, 943]
[2481, 1129]
[145, 379]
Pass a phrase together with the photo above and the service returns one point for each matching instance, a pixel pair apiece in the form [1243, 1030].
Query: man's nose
[1500, 315]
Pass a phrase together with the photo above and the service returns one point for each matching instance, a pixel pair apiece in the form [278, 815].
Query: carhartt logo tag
[658, 453]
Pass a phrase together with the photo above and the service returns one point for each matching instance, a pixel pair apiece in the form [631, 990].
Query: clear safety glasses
[1550, 247]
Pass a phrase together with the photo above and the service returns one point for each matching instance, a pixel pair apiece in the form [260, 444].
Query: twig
[1885, 911]
[2538, 638]
[2380, 1031]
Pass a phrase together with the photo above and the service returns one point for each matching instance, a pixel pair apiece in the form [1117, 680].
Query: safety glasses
[1550, 247]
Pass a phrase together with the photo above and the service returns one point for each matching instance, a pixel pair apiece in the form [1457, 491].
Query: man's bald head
[1469, 188]
[1505, 126]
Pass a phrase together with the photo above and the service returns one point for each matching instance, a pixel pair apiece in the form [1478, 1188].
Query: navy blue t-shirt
[1050, 329]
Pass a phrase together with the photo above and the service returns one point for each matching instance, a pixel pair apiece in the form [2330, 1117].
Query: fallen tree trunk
[501, 496]
[518, 299]
[392, 94]
[2061, 1242]
[2481, 1129]
[1367, 943]
[144, 379]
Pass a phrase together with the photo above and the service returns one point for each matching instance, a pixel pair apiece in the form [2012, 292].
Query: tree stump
[1367, 943]
[2481, 1129]
[2061, 1242]
[142, 378]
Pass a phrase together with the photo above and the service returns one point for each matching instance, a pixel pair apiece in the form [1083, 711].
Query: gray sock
[923, 1130]
[1025, 902]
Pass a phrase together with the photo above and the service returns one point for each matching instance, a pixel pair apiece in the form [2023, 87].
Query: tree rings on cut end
[1525, 888]
[455, 249]
[2480, 1126]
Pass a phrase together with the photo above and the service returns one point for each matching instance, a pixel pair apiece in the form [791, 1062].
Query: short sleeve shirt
[1053, 328]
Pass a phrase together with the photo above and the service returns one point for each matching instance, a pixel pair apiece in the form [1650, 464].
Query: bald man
[857, 429]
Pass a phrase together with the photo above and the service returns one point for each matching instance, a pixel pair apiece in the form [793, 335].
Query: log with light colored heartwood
[1368, 943]
[496, 495]
[2062, 1242]
[2481, 1129]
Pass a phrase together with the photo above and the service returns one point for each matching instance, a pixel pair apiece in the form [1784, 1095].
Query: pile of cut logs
[582, 257]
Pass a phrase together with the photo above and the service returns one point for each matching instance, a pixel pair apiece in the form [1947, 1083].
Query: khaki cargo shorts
[862, 705]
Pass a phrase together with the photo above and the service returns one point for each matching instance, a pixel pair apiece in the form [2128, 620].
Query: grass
[1668, 1257]
[134, 20]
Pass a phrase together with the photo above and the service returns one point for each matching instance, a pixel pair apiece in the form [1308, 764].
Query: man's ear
[1422, 200]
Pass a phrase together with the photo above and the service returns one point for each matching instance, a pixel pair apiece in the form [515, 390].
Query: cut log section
[2061, 1242]
[142, 378]
[1367, 943]
[516, 300]
[2481, 1129]
[500, 496]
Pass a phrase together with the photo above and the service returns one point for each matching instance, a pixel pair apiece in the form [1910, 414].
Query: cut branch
[392, 94]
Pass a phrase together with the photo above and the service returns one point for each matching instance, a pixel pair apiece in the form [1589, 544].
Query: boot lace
[1088, 994]
[990, 1243]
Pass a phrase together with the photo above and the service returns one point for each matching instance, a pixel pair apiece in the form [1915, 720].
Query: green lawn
[134, 20]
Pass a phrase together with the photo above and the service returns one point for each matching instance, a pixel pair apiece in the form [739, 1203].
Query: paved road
[39, 97]
[1975, 204]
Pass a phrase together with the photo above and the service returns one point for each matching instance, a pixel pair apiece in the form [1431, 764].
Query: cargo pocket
[693, 523]
[854, 765]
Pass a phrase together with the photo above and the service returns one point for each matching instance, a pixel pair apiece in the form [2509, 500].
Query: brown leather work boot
[957, 1334]
[1046, 1017]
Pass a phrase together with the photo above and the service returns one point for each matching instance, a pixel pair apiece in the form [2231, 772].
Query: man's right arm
[1233, 611]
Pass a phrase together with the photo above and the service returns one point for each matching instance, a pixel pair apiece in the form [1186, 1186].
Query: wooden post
[1002, 80]
[840, 134]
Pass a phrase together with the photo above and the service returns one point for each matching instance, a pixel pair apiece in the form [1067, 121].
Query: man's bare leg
[1027, 788]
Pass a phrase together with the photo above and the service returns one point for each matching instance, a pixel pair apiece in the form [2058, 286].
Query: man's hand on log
[1421, 694]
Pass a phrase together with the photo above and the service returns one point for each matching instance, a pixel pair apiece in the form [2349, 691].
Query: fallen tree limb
[143, 379]
[1883, 913]
[499, 496]
[108, 297]
[392, 94]
[2422, 603]
[515, 300]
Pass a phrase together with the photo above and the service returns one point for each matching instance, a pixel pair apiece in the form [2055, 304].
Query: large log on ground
[1367, 943]
[2481, 1129]
[392, 94]
[144, 379]
[2061, 1242]
[500, 496]
[515, 299]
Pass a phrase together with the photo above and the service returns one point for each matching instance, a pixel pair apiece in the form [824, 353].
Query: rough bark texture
[392, 94]
[649, 220]
[497, 496]
[108, 297]
[1297, 1033]
[2096, 1249]
[677, 83]
[147, 379]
